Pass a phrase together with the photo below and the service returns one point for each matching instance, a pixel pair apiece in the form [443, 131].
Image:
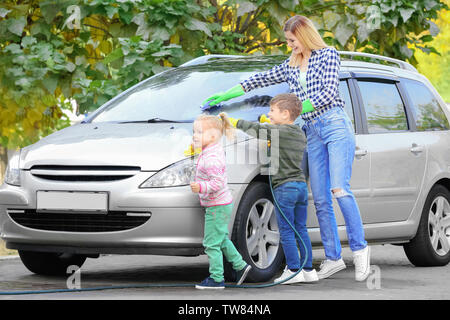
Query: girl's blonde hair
[220, 122]
[305, 32]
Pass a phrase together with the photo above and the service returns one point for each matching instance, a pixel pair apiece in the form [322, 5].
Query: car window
[384, 107]
[178, 94]
[344, 93]
[427, 112]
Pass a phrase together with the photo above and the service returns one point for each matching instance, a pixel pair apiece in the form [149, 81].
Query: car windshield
[178, 94]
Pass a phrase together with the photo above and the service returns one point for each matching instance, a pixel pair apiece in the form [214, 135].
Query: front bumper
[174, 228]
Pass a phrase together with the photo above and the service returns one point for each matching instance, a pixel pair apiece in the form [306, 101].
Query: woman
[312, 72]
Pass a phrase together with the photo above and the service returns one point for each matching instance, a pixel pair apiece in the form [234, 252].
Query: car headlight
[177, 174]
[12, 175]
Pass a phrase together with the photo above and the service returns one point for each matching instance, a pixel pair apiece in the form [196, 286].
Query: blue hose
[177, 285]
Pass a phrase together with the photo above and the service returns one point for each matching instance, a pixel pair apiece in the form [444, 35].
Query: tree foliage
[436, 67]
[52, 51]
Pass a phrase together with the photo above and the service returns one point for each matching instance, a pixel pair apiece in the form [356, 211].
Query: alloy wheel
[439, 225]
[263, 237]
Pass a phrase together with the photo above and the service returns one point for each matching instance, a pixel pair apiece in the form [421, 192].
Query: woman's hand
[217, 98]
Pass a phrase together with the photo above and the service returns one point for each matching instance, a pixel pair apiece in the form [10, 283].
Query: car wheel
[48, 263]
[256, 234]
[431, 245]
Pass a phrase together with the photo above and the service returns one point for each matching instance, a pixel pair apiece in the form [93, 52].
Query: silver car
[118, 182]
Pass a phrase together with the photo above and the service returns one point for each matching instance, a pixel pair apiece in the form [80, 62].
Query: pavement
[393, 277]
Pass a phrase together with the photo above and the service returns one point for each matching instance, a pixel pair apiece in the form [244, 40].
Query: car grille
[83, 173]
[79, 222]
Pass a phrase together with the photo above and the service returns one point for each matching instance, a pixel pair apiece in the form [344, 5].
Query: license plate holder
[77, 201]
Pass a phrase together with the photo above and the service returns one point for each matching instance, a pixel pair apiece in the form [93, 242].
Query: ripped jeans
[331, 149]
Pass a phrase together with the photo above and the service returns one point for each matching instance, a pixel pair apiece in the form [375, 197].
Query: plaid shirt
[322, 81]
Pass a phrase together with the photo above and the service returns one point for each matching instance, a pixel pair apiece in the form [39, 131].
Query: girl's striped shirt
[211, 175]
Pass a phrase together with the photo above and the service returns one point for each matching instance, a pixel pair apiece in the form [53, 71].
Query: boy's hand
[263, 119]
[195, 187]
[233, 121]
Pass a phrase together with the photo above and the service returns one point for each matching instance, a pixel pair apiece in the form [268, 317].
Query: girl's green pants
[216, 241]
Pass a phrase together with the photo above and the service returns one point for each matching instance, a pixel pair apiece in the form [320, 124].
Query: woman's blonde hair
[220, 122]
[305, 32]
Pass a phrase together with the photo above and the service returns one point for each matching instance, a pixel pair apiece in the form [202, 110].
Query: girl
[312, 72]
[211, 185]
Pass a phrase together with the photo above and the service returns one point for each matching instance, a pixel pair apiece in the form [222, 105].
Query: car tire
[256, 221]
[431, 245]
[49, 263]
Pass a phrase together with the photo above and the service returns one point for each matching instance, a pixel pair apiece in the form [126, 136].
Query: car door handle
[416, 148]
[360, 152]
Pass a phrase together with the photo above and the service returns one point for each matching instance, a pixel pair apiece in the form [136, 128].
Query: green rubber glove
[307, 106]
[234, 92]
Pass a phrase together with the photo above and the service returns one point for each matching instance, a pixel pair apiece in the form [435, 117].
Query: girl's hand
[195, 187]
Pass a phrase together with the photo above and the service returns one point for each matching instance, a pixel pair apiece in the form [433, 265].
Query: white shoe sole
[208, 288]
[331, 272]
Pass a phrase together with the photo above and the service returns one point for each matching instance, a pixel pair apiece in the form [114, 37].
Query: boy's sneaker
[210, 283]
[287, 273]
[361, 260]
[242, 274]
[310, 276]
[330, 267]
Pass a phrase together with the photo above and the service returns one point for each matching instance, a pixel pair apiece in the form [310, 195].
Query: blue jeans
[292, 197]
[331, 149]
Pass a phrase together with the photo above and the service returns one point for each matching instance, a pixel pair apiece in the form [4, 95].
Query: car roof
[385, 65]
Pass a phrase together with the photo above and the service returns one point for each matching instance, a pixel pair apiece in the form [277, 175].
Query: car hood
[149, 146]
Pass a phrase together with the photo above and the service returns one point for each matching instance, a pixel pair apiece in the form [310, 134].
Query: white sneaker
[361, 260]
[330, 267]
[310, 276]
[287, 273]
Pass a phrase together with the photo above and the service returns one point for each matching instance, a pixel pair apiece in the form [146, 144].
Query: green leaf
[426, 38]
[44, 51]
[111, 11]
[162, 53]
[50, 83]
[159, 33]
[16, 26]
[289, 4]
[245, 6]
[406, 13]
[13, 48]
[50, 9]
[4, 12]
[70, 66]
[28, 41]
[194, 24]
[114, 55]
[343, 32]
[363, 32]
[407, 52]
[434, 29]
[143, 28]
[331, 19]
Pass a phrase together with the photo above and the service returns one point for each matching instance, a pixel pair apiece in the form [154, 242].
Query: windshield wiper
[156, 120]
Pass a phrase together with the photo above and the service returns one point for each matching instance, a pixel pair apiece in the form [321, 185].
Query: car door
[397, 154]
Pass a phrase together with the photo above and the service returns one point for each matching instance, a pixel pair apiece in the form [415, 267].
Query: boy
[288, 182]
